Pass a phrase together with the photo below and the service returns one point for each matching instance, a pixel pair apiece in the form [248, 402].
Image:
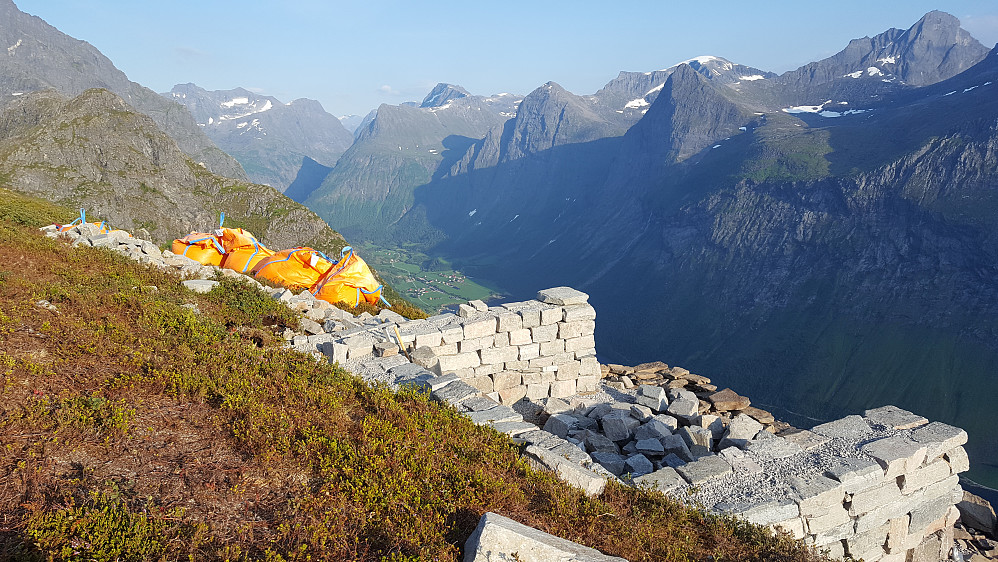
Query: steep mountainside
[269, 138]
[95, 151]
[399, 148]
[39, 56]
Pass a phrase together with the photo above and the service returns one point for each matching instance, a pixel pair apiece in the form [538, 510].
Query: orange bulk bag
[102, 227]
[349, 281]
[201, 247]
[242, 250]
[297, 267]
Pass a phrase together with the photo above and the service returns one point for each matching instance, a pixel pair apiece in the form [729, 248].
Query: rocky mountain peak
[443, 93]
[933, 49]
[688, 115]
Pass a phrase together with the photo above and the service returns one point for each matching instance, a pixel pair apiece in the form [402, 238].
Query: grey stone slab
[897, 454]
[641, 413]
[499, 414]
[760, 512]
[638, 464]
[561, 424]
[653, 429]
[867, 500]
[815, 493]
[577, 312]
[704, 469]
[664, 480]
[676, 445]
[407, 370]
[806, 440]
[613, 462]
[850, 427]
[619, 425]
[454, 393]
[199, 285]
[773, 448]
[740, 462]
[570, 451]
[650, 447]
[597, 442]
[893, 417]
[742, 429]
[562, 296]
[923, 476]
[855, 474]
[653, 397]
[538, 437]
[479, 403]
[573, 474]
[939, 437]
[499, 538]
[513, 428]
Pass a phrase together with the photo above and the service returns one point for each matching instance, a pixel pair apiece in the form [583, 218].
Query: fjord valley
[822, 240]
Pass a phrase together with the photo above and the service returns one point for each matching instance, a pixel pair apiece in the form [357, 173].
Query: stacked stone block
[533, 349]
[894, 500]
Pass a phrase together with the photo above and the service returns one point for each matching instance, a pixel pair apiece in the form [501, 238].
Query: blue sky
[354, 56]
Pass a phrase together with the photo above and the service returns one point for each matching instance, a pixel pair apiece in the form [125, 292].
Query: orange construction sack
[297, 267]
[242, 250]
[201, 247]
[350, 280]
[102, 227]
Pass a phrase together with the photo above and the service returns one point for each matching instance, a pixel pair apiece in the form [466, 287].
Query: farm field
[429, 284]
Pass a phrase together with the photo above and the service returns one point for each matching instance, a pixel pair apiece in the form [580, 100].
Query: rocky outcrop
[97, 152]
[40, 56]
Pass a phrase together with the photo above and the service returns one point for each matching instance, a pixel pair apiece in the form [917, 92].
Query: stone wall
[883, 487]
[533, 349]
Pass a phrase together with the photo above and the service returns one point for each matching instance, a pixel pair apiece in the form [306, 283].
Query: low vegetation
[139, 421]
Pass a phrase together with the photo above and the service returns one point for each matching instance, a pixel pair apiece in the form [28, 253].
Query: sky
[354, 56]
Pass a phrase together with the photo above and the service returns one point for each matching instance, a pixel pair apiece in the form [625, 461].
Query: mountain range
[270, 139]
[823, 239]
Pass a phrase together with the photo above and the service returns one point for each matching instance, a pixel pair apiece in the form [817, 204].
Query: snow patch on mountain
[752, 78]
[820, 110]
[635, 104]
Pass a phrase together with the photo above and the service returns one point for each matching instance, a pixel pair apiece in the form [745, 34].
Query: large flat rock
[562, 296]
[500, 539]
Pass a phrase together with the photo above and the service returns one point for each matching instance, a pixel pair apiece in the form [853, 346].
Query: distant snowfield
[752, 78]
[635, 104]
[244, 112]
[820, 110]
